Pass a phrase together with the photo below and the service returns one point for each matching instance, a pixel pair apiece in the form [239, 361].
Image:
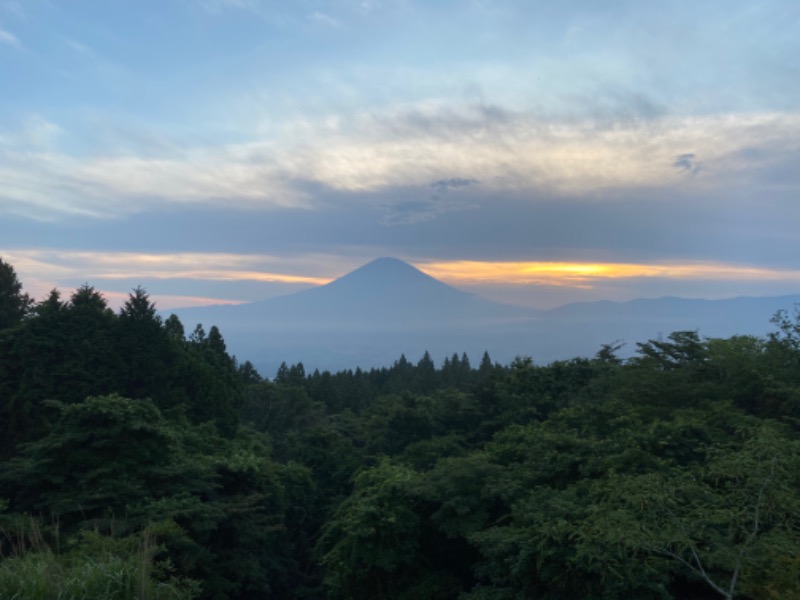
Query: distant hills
[370, 316]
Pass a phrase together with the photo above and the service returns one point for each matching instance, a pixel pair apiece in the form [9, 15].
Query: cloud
[43, 269]
[44, 185]
[320, 18]
[218, 5]
[686, 162]
[35, 133]
[59, 264]
[409, 212]
[444, 185]
[522, 152]
[587, 274]
[274, 13]
[9, 39]
[368, 156]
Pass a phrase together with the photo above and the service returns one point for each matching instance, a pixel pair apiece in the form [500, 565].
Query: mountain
[384, 294]
[372, 315]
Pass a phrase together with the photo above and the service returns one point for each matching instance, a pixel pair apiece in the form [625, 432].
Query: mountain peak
[386, 270]
[384, 262]
[391, 278]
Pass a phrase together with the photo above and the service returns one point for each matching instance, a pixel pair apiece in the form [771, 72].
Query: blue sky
[533, 152]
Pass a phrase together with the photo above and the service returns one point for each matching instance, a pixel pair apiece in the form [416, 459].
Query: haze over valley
[369, 317]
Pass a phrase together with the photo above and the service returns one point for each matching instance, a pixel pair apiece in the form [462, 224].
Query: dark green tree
[117, 465]
[371, 546]
[145, 349]
[14, 304]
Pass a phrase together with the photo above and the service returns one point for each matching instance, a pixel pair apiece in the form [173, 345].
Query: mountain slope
[370, 316]
[386, 293]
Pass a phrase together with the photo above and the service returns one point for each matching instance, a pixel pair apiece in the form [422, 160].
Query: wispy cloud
[35, 133]
[217, 5]
[60, 264]
[445, 185]
[586, 274]
[43, 269]
[275, 14]
[325, 20]
[518, 153]
[418, 208]
[687, 162]
[523, 151]
[9, 39]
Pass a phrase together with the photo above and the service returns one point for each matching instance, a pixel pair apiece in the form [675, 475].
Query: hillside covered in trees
[139, 461]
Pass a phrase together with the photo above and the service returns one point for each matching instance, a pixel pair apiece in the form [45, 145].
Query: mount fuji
[386, 293]
[370, 316]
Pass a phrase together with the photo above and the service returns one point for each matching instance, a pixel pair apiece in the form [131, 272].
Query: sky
[537, 153]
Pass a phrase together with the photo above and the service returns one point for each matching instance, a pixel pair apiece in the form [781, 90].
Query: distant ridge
[704, 309]
[387, 307]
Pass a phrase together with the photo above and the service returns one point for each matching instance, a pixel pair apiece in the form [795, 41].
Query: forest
[140, 460]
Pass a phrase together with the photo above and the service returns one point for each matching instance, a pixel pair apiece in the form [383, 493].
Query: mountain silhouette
[370, 316]
[384, 294]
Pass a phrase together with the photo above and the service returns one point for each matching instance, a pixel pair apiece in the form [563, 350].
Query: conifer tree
[14, 305]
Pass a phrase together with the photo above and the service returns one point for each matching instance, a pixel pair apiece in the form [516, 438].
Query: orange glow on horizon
[44, 269]
[583, 275]
[219, 275]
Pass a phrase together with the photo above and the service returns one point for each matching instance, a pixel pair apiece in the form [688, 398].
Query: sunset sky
[532, 152]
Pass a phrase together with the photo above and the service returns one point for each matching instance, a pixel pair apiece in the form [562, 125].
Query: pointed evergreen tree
[139, 308]
[198, 336]
[297, 374]
[426, 362]
[92, 363]
[464, 374]
[486, 367]
[88, 299]
[425, 376]
[282, 376]
[14, 305]
[215, 341]
[174, 328]
[249, 375]
[447, 376]
[30, 372]
[145, 348]
[51, 306]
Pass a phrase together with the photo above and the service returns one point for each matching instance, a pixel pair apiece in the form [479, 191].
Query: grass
[97, 567]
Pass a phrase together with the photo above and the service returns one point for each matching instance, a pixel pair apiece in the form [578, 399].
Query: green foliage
[105, 453]
[371, 544]
[69, 351]
[136, 463]
[96, 567]
[115, 465]
[726, 520]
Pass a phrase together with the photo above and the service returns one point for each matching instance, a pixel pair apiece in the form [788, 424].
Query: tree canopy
[151, 465]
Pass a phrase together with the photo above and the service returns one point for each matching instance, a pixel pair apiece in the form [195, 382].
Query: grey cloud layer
[453, 149]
